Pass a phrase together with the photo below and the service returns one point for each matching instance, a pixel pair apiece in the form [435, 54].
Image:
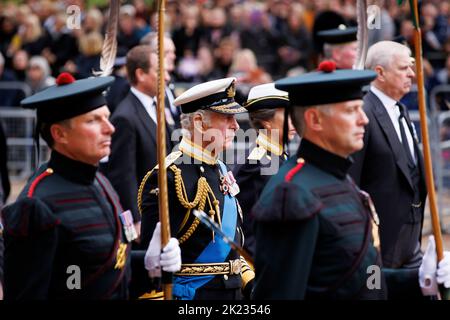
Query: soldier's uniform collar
[197, 152]
[72, 170]
[324, 159]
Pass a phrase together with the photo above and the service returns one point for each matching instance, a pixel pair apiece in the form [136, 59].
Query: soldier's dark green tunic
[70, 219]
[313, 233]
[220, 287]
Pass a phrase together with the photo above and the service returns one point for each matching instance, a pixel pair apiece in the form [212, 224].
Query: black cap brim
[60, 102]
[318, 88]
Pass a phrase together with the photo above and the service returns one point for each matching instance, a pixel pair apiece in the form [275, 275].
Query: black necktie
[403, 135]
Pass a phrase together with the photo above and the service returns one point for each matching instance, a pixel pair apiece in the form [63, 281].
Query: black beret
[324, 87]
[339, 35]
[68, 98]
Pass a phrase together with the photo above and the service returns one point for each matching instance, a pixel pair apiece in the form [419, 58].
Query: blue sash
[184, 287]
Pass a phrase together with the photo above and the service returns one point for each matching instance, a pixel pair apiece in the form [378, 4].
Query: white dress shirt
[394, 113]
[148, 102]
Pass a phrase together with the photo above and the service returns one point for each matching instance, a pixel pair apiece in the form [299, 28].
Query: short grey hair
[187, 125]
[298, 116]
[382, 53]
[41, 63]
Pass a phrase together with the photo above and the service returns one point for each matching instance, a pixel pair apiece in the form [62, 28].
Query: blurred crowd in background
[255, 41]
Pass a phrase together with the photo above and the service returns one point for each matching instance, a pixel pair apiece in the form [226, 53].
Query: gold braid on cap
[204, 193]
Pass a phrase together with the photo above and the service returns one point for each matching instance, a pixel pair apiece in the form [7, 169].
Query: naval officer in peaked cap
[198, 179]
[266, 108]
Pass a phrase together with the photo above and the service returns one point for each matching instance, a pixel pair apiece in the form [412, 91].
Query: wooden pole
[445, 293]
[161, 135]
[425, 137]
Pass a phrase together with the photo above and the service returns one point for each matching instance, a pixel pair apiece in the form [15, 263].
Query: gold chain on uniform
[204, 192]
[203, 189]
[141, 190]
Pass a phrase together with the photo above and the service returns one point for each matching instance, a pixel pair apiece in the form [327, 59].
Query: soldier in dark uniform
[197, 179]
[340, 45]
[314, 228]
[67, 237]
[266, 107]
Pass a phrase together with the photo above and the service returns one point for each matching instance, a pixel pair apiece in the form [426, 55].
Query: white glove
[171, 256]
[169, 259]
[427, 270]
[443, 271]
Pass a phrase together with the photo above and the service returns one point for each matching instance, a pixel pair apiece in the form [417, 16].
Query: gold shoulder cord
[141, 189]
[204, 192]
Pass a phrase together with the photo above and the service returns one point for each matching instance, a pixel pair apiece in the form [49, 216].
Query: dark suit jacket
[133, 150]
[381, 169]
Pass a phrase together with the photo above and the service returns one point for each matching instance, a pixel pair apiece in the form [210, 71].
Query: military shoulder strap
[257, 153]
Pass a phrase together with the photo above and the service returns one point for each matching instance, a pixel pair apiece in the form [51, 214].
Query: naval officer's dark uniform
[251, 181]
[196, 180]
[265, 157]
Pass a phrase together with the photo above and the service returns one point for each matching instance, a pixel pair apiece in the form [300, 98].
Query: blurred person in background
[38, 75]
[90, 46]
[19, 64]
[340, 46]
[62, 44]
[128, 35]
[187, 37]
[245, 69]
[30, 37]
[295, 43]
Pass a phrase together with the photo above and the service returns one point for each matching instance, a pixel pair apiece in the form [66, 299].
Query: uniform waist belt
[204, 269]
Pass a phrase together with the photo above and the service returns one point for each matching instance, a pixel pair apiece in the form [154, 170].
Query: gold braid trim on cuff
[247, 272]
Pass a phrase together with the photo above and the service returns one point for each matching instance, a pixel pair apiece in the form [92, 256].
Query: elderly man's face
[342, 127]
[88, 137]
[221, 131]
[398, 76]
[345, 55]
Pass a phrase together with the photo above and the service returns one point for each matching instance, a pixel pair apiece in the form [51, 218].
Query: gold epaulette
[170, 159]
[257, 153]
